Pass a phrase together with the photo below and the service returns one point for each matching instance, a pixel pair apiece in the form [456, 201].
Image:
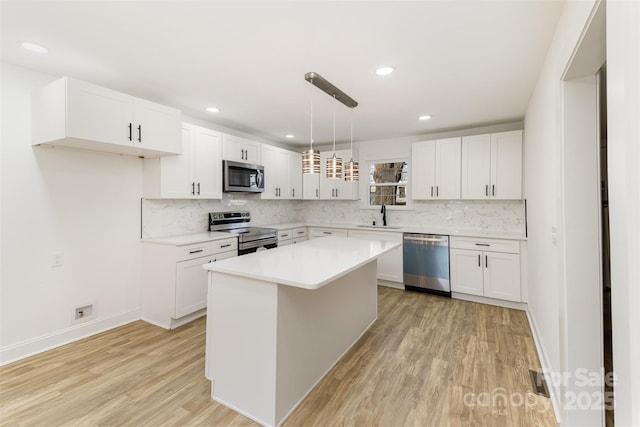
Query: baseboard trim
[390, 284]
[56, 339]
[490, 301]
[554, 392]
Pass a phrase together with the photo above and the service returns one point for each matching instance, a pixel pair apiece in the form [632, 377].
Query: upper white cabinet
[295, 175]
[75, 114]
[311, 186]
[492, 166]
[435, 169]
[336, 189]
[240, 149]
[195, 174]
[282, 173]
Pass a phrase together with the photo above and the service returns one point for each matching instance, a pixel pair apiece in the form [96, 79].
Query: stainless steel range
[250, 239]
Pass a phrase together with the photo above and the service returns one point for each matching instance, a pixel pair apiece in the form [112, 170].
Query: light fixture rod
[321, 83]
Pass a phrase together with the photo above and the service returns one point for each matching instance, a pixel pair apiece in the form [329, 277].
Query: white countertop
[309, 265]
[408, 229]
[188, 239]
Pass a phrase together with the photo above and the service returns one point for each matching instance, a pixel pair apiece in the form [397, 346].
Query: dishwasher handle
[428, 239]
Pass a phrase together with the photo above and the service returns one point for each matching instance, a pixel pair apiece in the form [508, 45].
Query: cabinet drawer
[322, 232]
[284, 235]
[298, 233]
[481, 244]
[195, 250]
[225, 245]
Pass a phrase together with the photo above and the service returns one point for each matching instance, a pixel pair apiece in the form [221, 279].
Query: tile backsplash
[175, 217]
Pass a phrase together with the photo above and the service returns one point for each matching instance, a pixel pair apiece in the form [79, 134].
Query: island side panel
[316, 328]
[241, 340]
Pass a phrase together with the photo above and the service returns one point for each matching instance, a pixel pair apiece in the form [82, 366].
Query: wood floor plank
[426, 361]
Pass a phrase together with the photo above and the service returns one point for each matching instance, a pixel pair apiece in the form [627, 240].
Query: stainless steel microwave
[242, 177]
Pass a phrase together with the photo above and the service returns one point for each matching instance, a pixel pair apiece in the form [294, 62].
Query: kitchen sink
[387, 227]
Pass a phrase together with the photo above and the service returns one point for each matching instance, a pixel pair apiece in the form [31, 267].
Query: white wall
[623, 85]
[543, 184]
[543, 189]
[85, 205]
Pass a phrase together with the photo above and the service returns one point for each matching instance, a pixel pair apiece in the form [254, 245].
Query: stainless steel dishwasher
[426, 263]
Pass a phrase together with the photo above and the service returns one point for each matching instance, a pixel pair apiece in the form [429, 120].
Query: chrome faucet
[383, 211]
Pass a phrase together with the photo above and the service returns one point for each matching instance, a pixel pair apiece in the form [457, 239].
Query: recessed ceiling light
[213, 109]
[33, 47]
[384, 71]
[425, 117]
[289, 136]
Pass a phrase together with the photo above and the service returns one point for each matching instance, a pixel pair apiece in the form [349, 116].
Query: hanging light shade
[311, 157]
[351, 168]
[334, 163]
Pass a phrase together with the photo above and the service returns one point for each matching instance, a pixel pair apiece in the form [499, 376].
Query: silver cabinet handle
[432, 191]
[493, 190]
[479, 265]
[486, 261]
[225, 246]
[284, 236]
[327, 232]
[198, 189]
[139, 133]
[195, 252]
[300, 232]
[193, 188]
[486, 190]
[336, 192]
[130, 131]
[437, 191]
[317, 195]
[482, 244]
[293, 192]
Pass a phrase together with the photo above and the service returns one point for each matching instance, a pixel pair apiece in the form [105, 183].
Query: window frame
[365, 199]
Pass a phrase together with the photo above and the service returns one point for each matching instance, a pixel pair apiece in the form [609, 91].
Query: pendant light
[334, 164]
[351, 168]
[311, 157]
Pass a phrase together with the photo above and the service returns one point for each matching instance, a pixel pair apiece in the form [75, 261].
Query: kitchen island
[278, 320]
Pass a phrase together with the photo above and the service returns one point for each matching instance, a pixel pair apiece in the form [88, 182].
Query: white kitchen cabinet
[295, 175]
[195, 174]
[241, 149]
[389, 264]
[492, 166]
[315, 232]
[435, 169]
[76, 114]
[336, 189]
[292, 235]
[174, 284]
[311, 186]
[486, 267]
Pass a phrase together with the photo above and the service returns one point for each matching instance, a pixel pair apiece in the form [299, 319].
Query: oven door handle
[426, 239]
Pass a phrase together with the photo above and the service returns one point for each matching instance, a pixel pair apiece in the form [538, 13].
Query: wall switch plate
[57, 259]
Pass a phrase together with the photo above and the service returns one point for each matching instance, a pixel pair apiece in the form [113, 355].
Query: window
[388, 183]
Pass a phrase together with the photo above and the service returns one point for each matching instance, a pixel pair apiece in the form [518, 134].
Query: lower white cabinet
[292, 235]
[486, 267]
[315, 232]
[174, 284]
[389, 264]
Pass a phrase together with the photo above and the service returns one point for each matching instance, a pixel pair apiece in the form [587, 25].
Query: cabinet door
[447, 168]
[175, 171]
[423, 185]
[156, 127]
[502, 276]
[327, 186]
[311, 186]
[282, 174]
[345, 190]
[476, 167]
[506, 165]
[191, 284]
[295, 175]
[99, 114]
[207, 163]
[389, 264]
[240, 150]
[271, 173]
[466, 271]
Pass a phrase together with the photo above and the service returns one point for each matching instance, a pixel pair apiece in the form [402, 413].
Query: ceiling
[466, 63]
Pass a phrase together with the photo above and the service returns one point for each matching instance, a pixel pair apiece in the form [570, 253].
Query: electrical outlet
[83, 312]
[57, 259]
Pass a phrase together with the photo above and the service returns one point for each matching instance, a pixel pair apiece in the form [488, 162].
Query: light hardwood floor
[427, 361]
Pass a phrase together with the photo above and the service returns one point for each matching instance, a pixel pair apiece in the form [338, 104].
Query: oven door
[242, 177]
[251, 247]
